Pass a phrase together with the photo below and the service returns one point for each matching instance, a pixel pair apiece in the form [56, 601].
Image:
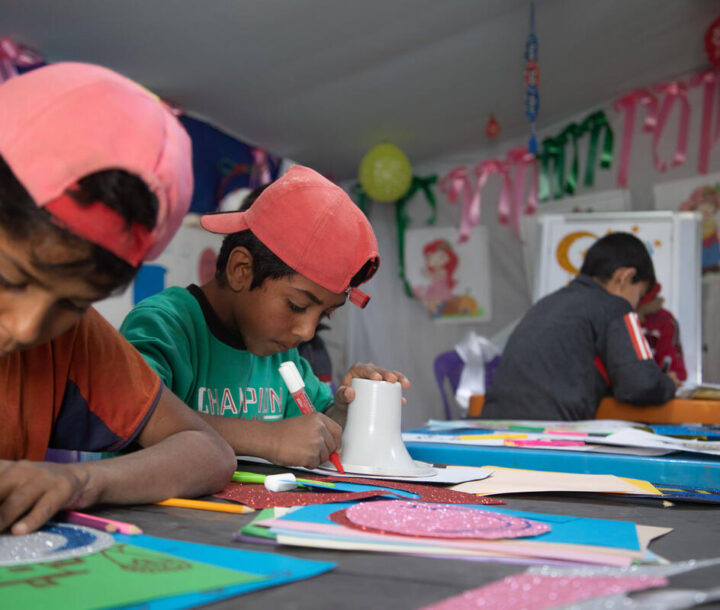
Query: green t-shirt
[208, 366]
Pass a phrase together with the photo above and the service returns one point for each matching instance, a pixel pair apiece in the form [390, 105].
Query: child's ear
[623, 276]
[627, 274]
[238, 270]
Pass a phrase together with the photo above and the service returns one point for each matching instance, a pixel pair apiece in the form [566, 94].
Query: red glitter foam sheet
[256, 496]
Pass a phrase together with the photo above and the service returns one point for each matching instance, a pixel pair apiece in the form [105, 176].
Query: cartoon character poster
[451, 279]
[702, 195]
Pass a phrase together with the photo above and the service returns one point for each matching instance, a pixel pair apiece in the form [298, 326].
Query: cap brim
[224, 222]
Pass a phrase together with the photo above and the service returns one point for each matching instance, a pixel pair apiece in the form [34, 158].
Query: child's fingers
[17, 502]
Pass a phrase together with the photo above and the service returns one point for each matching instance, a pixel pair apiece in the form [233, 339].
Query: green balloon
[385, 173]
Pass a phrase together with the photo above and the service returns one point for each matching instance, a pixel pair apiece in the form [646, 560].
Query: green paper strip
[260, 531]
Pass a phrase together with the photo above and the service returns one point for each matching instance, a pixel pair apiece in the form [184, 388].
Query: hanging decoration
[712, 43]
[675, 91]
[14, 56]
[553, 158]
[385, 173]
[659, 102]
[423, 184]
[458, 188]
[532, 81]
[492, 128]
[710, 82]
[628, 105]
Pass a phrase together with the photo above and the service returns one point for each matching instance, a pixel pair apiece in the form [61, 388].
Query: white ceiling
[322, 81]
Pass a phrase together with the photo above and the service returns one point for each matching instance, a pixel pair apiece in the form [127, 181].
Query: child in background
[662, 333]
[95, 177]
[583, 342]
[291, 259]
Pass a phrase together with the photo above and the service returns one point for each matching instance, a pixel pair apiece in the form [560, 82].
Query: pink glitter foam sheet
[538, 592]
[410, 518]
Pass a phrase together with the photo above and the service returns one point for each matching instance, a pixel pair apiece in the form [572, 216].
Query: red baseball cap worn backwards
[64, 121]
[312, 226]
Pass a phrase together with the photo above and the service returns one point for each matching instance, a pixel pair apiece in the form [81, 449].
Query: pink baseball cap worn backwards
[312, 226]
[64, 121]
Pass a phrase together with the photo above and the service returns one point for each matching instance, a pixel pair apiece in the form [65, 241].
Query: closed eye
[10, 286]
[296, 308]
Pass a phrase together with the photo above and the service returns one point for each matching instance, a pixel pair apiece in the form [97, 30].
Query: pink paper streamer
[457, 188]
[410, 518]
[260, 171]
[537, 592]
[675, 91]
[14, 56]
[710, 81]
[628, 105]
[517, 160]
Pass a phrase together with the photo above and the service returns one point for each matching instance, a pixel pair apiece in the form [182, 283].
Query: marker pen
[296, 386]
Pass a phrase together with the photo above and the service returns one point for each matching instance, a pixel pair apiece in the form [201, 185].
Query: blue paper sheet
[280, 569]
[565, 529]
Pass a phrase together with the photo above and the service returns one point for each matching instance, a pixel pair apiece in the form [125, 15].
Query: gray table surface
[382, 580]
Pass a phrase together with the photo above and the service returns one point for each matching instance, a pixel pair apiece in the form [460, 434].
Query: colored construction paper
[565, 529]
[118, 576]
[439, 520]
[515, 480]
[347, 539]
[538, 592]
[269, 569]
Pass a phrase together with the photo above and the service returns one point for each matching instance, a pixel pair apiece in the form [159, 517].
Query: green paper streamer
[595, 123]
[574, 132]
[402, 220]
[552, 157]
[360, 197]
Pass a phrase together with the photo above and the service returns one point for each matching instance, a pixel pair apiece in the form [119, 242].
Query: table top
[378, 580]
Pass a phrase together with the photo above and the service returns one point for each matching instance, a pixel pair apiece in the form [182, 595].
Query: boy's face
[44, 290]
[280, 314]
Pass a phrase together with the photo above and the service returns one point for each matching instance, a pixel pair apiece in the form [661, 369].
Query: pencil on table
[202, 505]
[100, 523]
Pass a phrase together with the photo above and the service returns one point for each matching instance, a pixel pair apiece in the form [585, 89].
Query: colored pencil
[202, 505]
[100, 523]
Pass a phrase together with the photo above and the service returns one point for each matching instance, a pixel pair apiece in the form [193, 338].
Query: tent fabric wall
[396, 331]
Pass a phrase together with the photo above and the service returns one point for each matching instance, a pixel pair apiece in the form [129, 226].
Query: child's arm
[345, 394]
[306, 440]
[182, 456]
[635, 377]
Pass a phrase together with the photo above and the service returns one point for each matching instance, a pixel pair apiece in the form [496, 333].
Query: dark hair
[252, 196]
[266, 264]
[618, 250]
[117, 189]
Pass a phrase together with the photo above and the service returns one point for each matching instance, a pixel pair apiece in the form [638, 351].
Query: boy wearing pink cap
[297, 254]
[95, 177]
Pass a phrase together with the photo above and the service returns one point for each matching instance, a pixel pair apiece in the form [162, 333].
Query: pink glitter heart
[411, 518]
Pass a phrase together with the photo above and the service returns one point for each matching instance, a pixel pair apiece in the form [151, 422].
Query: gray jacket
[571, 349]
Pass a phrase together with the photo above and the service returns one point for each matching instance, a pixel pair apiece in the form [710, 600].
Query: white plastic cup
[372, 439]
